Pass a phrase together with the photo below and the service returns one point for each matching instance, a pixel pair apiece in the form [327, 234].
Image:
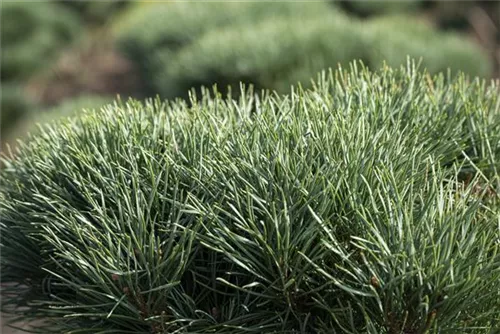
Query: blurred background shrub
[15, 105]
[392, 38]
[51, 52]
[151, 35]
[55, 51]
[69, 107]
[32, 33]
[95, 12]
[280, 52]
[268, 55]
[378, 7]
[204, 44]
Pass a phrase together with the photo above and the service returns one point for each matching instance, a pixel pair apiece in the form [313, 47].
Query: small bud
[374, 282]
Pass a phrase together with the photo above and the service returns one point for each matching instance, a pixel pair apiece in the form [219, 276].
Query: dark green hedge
[369, 204]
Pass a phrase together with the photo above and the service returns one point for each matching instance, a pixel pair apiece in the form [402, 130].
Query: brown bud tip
[374, 282]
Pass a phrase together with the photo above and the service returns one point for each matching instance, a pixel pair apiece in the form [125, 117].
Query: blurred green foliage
[273, 54]
[376, 7]
[180, 46]
[151, 34]
[95, 12]
[72, 106]
[15, 104]
[26, 117]
[453, 14]
[392, 38]
[69, 108]
[31, 35]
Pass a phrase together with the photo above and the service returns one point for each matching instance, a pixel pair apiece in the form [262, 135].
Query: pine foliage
[367, 204]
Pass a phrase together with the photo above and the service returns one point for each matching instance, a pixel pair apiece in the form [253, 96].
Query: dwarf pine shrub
[367, 204]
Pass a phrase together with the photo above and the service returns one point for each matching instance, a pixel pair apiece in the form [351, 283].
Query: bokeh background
[58, 57]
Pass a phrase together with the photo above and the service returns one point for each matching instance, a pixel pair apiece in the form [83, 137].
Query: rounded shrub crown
[368, 204]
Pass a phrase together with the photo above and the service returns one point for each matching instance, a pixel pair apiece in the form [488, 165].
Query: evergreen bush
[150, 34]
[181, 46]
[273, 54]
[278, 53]
[393, 38]
[367, 204]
